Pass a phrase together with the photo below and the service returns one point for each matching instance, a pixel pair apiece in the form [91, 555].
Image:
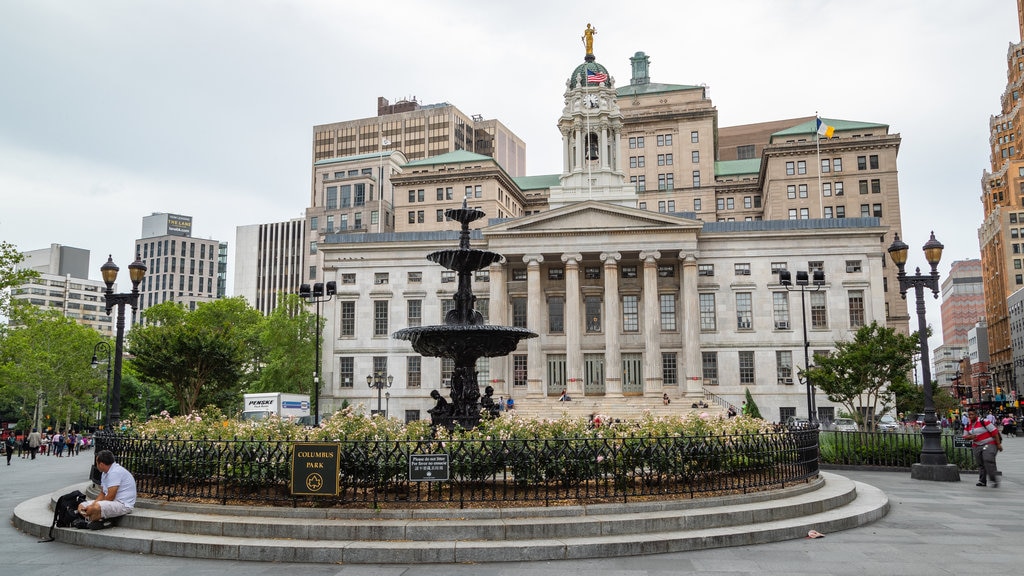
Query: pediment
[591, 217]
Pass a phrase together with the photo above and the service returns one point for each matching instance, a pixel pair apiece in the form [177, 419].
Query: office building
[180, 268]
[63, 284]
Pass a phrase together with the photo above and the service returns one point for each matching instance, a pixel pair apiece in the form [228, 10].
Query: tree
[750, 409]
[10, 276]
[197, 357]
[862, 373]
[287, 343]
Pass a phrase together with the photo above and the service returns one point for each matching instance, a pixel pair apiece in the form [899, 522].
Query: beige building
[63, 284]
[180, 268]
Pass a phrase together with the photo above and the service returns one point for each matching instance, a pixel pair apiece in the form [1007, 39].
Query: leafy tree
[751, 408]
[47, 360]
[287, 341]
[197, 357]
[10, 276]
[862, 373]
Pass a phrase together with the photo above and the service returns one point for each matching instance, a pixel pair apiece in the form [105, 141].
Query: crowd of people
[36, 443]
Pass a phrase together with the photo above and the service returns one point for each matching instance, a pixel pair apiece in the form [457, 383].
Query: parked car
[888, 424]
[845, 425]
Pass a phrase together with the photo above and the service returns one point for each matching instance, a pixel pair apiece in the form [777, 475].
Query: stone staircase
[622, 407]
[827, 504]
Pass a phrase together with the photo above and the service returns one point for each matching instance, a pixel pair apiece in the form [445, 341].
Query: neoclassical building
[638, 283]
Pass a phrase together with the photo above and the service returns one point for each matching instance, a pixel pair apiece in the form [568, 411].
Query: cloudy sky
[114, 109]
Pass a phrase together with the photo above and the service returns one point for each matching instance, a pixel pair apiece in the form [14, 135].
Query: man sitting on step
[117, 493]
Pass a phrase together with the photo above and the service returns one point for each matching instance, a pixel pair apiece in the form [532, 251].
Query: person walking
[34, 442]
[985, 443]
[10, 444]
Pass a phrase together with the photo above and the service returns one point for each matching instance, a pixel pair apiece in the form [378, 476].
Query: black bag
[65, 511]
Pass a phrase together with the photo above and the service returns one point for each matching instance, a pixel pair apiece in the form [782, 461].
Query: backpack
[65, 511]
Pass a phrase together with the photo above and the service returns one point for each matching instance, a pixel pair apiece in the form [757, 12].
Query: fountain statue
[464, 338]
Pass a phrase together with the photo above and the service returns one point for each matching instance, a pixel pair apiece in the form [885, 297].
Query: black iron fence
[496, 471]
[886, 449]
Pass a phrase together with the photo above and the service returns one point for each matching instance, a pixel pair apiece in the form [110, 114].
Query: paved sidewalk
[926, 532]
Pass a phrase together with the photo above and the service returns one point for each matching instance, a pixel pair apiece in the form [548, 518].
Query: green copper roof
[737, 167]
[652, 88]
[580, 73]
[811, 126]
[537, 182]
[450, 158]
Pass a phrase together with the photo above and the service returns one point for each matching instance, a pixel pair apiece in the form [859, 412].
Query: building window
[801, 167]
[347, 371]
[876, 186]
[312, 248]
[837, 164]
[791, 191]
[669, 369]
[819, 314]
[413, 376]
[447, 369]
[412, 216]
[804, 214]
[863, 186]
[709, 367]
[628, 271]
[380, 317]
[348, 278]
[592, 272]
[730, 203]
[803, 190]
[862, 162]
[312, 223]
[840, 211]
[839, 188]
[826, 188]
[853, 266]
[415, 312]
[380, 277]
[792, 213]
[744, 311]
[556, 314]
[696, 204]
[745, 152]
[696, 178]
[556, 273]
[705, 269]
[825, 166]
[746, 363]
[720, 203]
[668, 311]
[865, 210]
[784, 366]
[694, 137]
[447, 276]
[742, 269]
[630, 314]
[856, 308]
[415, 277]
[519, 364]
[666, 271]
[519, 312]
[636, 142]
[790, 168]
[876, 210]
[873, 161]
[780, 310]
[440, 215]
[348, 319]
[592, 305]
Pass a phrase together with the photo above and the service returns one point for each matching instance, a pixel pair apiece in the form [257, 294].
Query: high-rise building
[63, 284]
[1002, 247]
[180, 268]
[268, 260]
[963, 305]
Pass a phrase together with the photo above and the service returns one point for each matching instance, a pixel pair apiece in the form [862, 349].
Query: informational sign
[960, 442]
[315, 467]
[179, 225]
[428, 468]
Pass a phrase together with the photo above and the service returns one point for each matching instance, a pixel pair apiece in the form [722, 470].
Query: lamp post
[105, 346]
[379, 381]
[136, 271]
[817, 279]
[318, 294]
[387, 403]
[933, 464]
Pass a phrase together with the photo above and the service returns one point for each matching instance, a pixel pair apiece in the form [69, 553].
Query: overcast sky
[111, 110]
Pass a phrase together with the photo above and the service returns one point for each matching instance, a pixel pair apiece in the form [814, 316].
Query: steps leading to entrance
[400, 536]
[621, 407]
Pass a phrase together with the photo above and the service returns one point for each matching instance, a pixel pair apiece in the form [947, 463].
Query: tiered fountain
[463, 337]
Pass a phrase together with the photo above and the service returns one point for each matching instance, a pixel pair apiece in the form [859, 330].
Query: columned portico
[612, 355]
[691, 369]
[652, 325]
[534, 305]
[498, 314]
[573, 321]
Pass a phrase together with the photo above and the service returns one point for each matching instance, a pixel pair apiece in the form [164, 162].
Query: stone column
[605, 161]
[573, 348]
[610, 324]
[498, 315]
[534, 304]
[651, 325]
[692, 370]
[566, 150]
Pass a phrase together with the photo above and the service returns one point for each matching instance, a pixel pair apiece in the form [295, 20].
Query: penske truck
[286, 406]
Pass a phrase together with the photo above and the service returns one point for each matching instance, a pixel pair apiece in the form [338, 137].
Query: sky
[111, 110]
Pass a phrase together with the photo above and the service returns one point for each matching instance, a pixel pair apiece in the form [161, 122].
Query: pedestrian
[34, 442]
[665, 399]
[732, 411]
[985, 443]
[565, 396]
[10, 444]
[117, 493]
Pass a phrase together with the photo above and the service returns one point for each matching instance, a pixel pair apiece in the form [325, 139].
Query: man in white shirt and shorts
[117, 493]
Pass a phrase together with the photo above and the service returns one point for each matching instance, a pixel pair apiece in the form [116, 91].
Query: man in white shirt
[117, 493]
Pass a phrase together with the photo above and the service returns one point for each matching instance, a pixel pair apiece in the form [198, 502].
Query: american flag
[596, 77]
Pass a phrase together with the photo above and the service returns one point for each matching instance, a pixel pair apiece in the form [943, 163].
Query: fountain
[463, 337]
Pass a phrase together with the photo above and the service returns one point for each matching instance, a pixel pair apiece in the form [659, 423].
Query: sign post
[315, 468]
[429, 468]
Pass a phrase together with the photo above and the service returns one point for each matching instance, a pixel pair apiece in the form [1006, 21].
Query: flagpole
[587, 141]
[817, 146]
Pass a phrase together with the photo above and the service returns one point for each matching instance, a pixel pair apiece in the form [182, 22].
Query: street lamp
[136, 271]
[379, 381]
[105, 346]
[818, 281]
[317, 295]
[933, 464]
